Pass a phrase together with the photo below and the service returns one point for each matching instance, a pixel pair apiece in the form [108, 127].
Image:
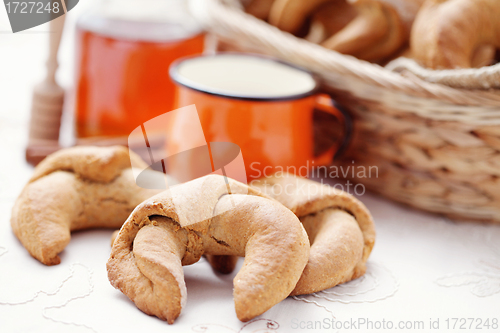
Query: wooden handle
[56, 29]
[47, 104]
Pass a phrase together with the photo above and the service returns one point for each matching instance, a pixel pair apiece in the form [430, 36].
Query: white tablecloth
[424, 270]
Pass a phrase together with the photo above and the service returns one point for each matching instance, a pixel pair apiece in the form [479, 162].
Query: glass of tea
[124, 50]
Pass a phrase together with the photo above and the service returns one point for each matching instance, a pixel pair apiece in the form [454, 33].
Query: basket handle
[467, 78]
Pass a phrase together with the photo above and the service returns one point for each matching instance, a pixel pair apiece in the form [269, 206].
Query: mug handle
[345, 119]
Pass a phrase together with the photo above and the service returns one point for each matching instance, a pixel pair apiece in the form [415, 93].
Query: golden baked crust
[380, 29]
[371, 30]
[328, 19]
[340, 229]
[73, 189]
[451, 33]
[176, 228]
[100, 164]
[259, 8]
[289, 15]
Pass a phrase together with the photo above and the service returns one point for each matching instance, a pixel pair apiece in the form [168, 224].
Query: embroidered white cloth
[425, 272]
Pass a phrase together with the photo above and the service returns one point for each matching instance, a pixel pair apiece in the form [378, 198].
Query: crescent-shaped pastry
[208, 216]
[340, 230]
[74, 189]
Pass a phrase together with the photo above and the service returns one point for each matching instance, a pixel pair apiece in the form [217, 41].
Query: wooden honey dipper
[47, 103]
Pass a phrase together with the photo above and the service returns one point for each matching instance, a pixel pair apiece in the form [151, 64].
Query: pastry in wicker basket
[456, 33]
[200, 217]
[380, 29]
[259, 8]
[74, 189]
[447, 34]
[290, 15]
[340, 230]
[371, 30]
[328, 19]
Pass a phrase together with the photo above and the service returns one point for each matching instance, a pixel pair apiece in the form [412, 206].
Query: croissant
[208, 216]
[74, 189]
[380, 29]
[340, 230]
[456, 33]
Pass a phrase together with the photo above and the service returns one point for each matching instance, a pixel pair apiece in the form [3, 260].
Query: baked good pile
[297, 236]
[438, 34]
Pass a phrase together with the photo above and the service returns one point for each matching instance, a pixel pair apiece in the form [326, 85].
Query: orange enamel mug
[263, 105]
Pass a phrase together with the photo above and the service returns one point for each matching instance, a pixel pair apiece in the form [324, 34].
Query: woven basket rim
[230, 22]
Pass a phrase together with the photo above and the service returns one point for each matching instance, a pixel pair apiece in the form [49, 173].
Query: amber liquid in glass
[123, 83]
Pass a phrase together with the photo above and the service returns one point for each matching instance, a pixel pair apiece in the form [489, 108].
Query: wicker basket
[436, 146]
